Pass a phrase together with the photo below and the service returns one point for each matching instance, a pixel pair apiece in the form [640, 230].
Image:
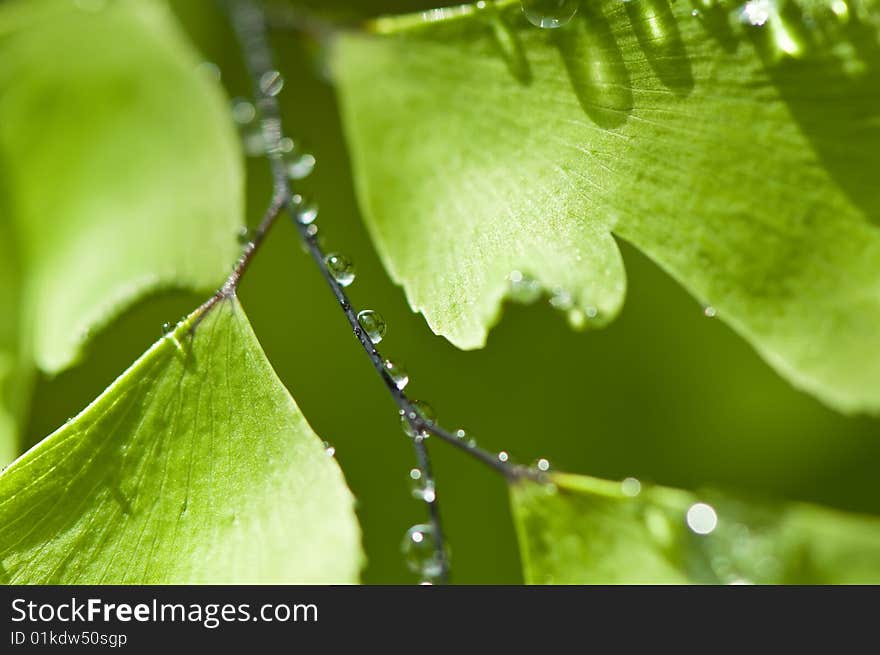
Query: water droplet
[245, 235]
[503, 456]
[312, 230]
[523, 288]
[631, 487]
[420, 409]
[271, 83]
[695, 13]
[542, 465]
[306, 209]
[756, 12]
[396, 373]
[167, 328]
[701, 518]
[243, 111]
[330, 450]
[561, 299]
[782, 37]
[422, 486]
[710, 312]
[299, 164]
[373, 325]
[340, 267]
[460, 434]
[549, 14]
[840, 9]
[420, 552]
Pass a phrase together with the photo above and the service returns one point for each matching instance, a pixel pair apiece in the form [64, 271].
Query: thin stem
[249, 23]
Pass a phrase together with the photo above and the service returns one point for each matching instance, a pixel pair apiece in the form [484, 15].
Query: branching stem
[249, 23]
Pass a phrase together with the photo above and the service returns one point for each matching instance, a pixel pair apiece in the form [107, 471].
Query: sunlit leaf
[736, 147]
[581, 530]
[195, 466]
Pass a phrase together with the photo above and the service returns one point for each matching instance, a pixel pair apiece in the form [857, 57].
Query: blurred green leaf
[119, 170]
[739, 157]
[195, 466]
[580, 530]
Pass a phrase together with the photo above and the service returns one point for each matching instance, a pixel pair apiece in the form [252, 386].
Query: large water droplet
[340, 267]
[420, 409]
[549, 14]
[373, 325]
[422, 486]
[397, 373]
[523, 288]
[701, 518]
[420, 552]
[305, 208]
[271, 83]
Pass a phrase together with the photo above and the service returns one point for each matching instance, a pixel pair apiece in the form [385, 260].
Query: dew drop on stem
[299, 165]
[420, 552]
[420, 409]
[373, 325]
[396, 373]
[305, 209]
[421, 486]
[271, 83]
[340, 267]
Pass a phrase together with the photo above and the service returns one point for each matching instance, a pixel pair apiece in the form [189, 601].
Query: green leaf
[740, 158]
[580, 530]
[195, 466]
[15, 371]
[120, 173]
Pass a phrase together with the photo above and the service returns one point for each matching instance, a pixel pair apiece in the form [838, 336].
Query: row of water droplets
[785, 35]
[420, 545]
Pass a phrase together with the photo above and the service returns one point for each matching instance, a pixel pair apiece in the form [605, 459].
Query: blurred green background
[664, 394]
